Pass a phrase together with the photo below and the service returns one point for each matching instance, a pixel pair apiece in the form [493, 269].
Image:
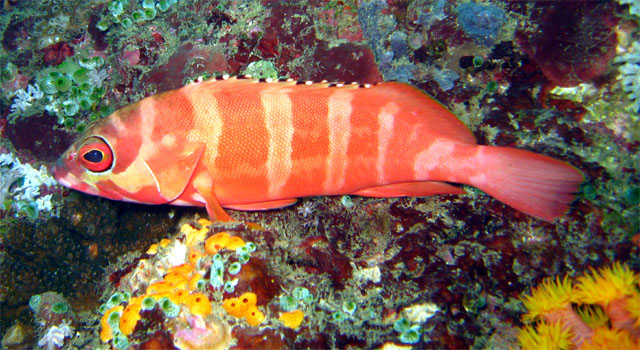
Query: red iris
[96, 155]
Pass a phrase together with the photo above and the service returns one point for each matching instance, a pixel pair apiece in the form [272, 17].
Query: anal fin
[280, 203]
[410, 189]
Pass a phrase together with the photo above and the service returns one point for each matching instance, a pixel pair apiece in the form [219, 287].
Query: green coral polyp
[68, 67]
[169, 308]
[114, 320]
[251, 247]
[163, 5]
[138, 16]
[234, 268]
[85, 104]
[69, 122]
[150, 13]
[349, 307]
[302, 294]
[401, 325]
[60, 308]
[288, 303]
[81, 75]
[410, 336]
[62, 84]
[71, 108]
[34, 302]
[148, 303]
[120, 342]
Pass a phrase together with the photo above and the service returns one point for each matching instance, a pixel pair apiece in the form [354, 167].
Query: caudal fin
[535, 184]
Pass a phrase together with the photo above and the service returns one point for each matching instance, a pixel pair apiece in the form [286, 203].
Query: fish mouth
[66, 178]
[61, 174]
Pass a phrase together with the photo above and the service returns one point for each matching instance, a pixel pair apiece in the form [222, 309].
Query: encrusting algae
[598, 310]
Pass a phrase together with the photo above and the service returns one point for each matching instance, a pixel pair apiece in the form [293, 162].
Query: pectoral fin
[173, 172]
[410, 189]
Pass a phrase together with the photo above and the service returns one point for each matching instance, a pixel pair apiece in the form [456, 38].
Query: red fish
[247, 144]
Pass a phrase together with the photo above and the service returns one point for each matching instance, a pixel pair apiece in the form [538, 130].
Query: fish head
[117, 158]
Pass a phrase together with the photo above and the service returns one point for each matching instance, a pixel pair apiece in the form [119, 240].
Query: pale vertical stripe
[278, 111]
[339, 128]
[385, 133]
[148, 115]
[208, 121]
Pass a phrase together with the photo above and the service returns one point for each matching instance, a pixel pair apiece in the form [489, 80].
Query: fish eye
[95, 155]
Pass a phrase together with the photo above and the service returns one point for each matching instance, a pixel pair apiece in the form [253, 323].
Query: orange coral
[129, 318]
[105, 332]
[194, 257]
[292, 319]
[238, 306]
[184, 269]
[176, 280]
[181, 296]
[199, 304]
[216, 242]
[254, 316]
[160, 287]
[235, 242]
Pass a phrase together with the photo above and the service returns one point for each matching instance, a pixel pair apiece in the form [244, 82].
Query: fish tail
[532, 183]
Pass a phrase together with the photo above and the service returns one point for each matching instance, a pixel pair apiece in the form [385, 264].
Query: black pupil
[93, 156]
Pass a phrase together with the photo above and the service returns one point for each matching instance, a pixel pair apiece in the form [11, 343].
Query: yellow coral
[204, 222]
[592, 315]
[545, 336]
[606, 338]
[216, 242]
[235, 242]
[199, 304]
[164, 242]
[633, 307]
[606, 284]
[106, 332]
[549, 295]
[194, 237]
[292, 319]
[153, 249]
[186, 228]
[254, 316]
[129, 318]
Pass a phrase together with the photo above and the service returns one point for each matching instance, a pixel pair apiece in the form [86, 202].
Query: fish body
[252, 145]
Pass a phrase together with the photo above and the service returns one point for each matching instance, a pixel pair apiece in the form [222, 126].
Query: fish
[257, 144]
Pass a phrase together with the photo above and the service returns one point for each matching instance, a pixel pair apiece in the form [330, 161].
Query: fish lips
[65, 177]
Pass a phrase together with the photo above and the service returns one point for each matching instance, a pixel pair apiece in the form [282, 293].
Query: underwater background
[561, 78]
